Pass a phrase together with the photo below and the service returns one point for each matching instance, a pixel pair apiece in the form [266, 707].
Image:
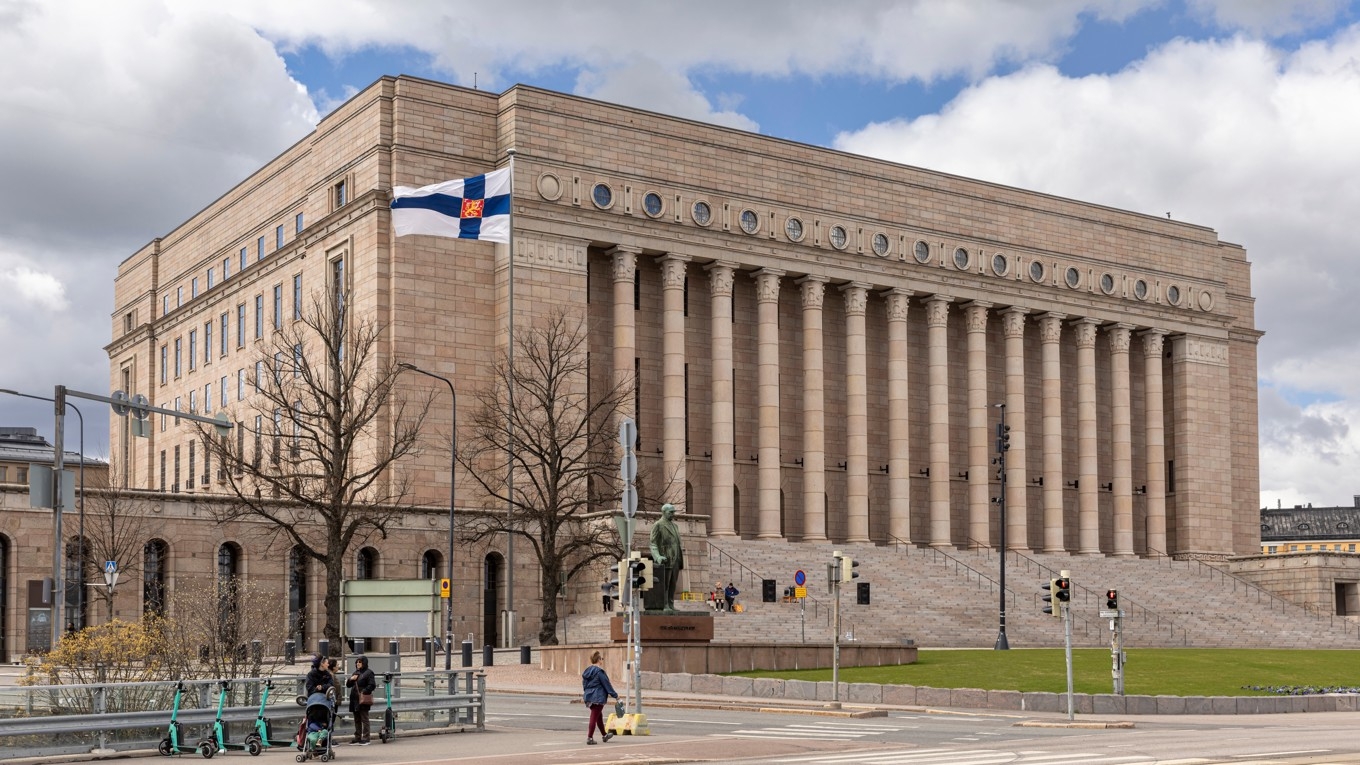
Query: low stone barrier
[1014, 701]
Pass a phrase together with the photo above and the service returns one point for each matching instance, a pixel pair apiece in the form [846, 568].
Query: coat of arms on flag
[467, 208]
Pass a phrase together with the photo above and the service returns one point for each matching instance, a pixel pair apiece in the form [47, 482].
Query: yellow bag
[738, 608]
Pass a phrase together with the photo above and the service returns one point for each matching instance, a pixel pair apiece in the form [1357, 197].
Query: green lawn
[1149, 671]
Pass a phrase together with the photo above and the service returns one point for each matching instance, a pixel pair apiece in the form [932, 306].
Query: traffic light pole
[1067, 635]
[1002, 444]
[1117, 654]
[834, 579]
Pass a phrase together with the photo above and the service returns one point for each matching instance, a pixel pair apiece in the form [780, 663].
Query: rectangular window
[226, 269]
[259, 248]
[4, 474]
[259, 375]
[259, 316]
[207, 463]
[244, 261]
[193, 289]
[278, 433]
[240, 447]
[278, 306]
[178, 408]
[297, 224]
[341, 194]
[278, 369]
[223, 387]
[193, 349]
[179, 296]
[226, 332]
[165, 304]
[207, 398]
[278, 238]
[165, 364]
[164, 421]
[210, 277]
[162, 470]
[241, 325]
[193, 402]
[241, 384]
[189, 479]
[127, 322]
[207, 342]
[259, 436]
[175, 486]
[179, 357]
[297, 296]
[297, 360]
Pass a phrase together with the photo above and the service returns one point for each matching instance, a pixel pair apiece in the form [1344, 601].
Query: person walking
[596, 690]
[361, 685]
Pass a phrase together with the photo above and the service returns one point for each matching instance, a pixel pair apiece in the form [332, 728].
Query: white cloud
[1275, 18]
[1234, 134]
[648, 85]
[30, 288]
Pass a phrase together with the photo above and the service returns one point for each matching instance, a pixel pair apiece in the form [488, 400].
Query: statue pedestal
[686, 627]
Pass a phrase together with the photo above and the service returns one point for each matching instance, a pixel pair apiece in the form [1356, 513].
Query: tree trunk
[335, 570]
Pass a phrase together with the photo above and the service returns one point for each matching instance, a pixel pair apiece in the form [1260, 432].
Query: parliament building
[824, 345]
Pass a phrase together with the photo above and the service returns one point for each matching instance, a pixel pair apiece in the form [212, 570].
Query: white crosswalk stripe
[966, 757]
[817, 731]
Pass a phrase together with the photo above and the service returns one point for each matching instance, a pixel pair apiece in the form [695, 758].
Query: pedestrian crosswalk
[965, 757]
[820, 731]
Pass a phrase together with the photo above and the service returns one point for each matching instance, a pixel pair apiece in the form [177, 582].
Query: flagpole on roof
[510, 461]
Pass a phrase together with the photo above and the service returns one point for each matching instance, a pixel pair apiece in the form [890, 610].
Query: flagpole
[510, 461]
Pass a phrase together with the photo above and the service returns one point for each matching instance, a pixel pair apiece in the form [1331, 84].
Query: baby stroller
[317, 729]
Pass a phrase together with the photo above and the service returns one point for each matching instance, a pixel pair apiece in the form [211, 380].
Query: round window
[602, 196]
[703, 214]
[838, 238]
[1173, 295]
[961, 259]
[1073, 277]
[651, 203]
[1107, 284]
[793, 229]
[750, 222]
[1140, 289]
[921, 251]
[880, 244]
[1036, 272]
[1000, 266]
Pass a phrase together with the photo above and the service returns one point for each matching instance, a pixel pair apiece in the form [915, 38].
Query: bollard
[488, 655]
[323, 647]
[524, 654]
[429, 653]
[256, 652]
[467, 653]
[290, 651]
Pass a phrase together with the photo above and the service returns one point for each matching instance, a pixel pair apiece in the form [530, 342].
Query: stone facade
[819, 340]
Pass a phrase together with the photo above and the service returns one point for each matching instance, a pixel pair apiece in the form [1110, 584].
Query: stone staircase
[950, 598]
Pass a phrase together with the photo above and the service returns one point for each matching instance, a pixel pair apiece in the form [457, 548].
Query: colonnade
[1052, 328]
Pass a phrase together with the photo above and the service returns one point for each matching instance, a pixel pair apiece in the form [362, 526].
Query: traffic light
[1062, 592]
[1112, 600]
[637, 574]
[848, 567]
[1003, 437]
[1050, 590]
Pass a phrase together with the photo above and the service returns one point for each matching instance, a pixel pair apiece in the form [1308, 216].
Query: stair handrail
[819, 610]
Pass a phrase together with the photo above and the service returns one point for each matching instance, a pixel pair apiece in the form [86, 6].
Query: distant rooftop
[25, 445]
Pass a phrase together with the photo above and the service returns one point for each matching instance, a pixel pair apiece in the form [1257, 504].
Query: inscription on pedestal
[667, 628]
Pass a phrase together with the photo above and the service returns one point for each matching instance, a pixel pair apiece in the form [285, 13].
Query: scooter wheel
[253, 746]
[207, 750]
[165, 748]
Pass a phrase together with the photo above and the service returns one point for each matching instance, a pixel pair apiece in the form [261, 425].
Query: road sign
[110, 566]
[444, 585]
[223, 424]
[629, 500]
[139, 407]
[799, 578]
[120, 403]
[800, 591]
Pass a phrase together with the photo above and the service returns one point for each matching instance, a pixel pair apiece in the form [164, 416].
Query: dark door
[490, 602]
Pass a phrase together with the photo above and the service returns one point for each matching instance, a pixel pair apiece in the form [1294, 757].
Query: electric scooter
[263, 729]
[172, 743]
[217, 740]
[389, 728]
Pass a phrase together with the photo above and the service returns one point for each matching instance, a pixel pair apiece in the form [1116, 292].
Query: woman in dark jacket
[595, 691]
[360, 682]
[318, 679]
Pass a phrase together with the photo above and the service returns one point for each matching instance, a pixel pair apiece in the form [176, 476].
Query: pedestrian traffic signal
[1062, 592]
[1003, 437]
[1050, 590]
[1112, 600]
[848, 567]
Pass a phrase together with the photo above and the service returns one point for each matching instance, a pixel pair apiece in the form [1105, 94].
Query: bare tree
[558, 434]
[317, 457]
[223, 629]
[117, 528]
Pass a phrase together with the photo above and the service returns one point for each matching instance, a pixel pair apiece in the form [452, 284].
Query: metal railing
[46, 720]
[818, 611]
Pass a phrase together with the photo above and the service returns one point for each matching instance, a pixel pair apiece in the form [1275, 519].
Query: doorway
[491, 599]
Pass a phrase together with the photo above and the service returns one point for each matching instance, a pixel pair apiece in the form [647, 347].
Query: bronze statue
[668, 556]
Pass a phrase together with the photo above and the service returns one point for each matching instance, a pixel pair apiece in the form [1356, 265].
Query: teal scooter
[217, 741]
[173, 743]
[263, 732]
[389, 727]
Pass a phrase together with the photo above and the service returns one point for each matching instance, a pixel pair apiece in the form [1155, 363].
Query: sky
[120, 120]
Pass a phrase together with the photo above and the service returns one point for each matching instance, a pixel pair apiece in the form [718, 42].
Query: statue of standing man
[668, 556]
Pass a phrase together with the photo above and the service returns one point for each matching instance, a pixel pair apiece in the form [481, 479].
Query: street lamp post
[453, 465]
[57, 555]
